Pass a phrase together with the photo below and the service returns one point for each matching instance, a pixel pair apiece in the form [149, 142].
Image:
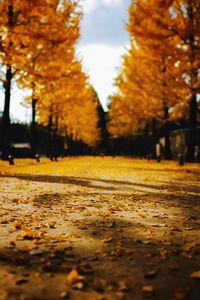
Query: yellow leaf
[74, 276]
[107, 240]
[195, 275]
[148, 288]
[28, 235]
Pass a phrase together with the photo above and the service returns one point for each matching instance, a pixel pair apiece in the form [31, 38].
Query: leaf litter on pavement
[125, 229]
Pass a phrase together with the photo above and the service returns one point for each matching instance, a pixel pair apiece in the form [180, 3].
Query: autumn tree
[186, 27]
[37, 40]
[70, 110]
[140, 95]
[7, 47]
[144, 78]
[157, 69]
[173, 27]
[12, 51]
[51, 54]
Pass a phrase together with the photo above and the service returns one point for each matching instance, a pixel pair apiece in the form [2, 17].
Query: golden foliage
[38, 41]
[159, 74]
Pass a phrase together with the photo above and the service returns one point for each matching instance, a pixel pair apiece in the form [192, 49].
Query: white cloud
[100, 62]
[90, 5]
[112, 2]
[103, 42]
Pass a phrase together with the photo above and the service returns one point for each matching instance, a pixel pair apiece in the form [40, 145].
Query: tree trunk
[167, 148]
[55, 146]
[6, 112]
[6, 116]
[33, 129]
[154, 137]
[50, 150]
[147, 141]
[191, 139]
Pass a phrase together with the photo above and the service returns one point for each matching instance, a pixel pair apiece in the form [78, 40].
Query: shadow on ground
[110, 185]
[114, 268]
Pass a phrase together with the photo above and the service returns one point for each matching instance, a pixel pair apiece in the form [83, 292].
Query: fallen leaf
[28, 235]
[23, 248]
[148, 289]
[107, 240]
[150, 274]
[195, 275]
[123, 286]
[129, 251]
[51, 224]
[110, 224]
[64, 295]
[74, 276]
[78, 285]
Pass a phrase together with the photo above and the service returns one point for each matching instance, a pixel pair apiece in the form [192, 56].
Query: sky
[103, 41]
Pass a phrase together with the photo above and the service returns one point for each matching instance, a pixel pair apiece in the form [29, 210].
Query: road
[99, 229]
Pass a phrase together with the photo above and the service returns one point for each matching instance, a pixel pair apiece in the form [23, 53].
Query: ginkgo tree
[160, 64]
[51, 53]
[15, 34]
[70, 110]
[185, 26]
[146, 92]
[37, 49]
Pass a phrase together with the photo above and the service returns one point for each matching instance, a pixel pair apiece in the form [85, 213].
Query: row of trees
[159, 78]
[37, 52]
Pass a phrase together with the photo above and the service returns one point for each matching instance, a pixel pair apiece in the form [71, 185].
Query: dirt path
[99, 229]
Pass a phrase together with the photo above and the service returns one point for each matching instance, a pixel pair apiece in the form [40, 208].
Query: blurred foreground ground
[99, 229]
